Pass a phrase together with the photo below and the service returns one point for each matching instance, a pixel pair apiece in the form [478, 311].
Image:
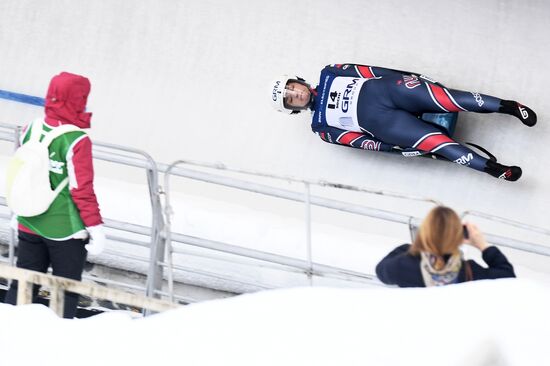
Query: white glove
[97, 240]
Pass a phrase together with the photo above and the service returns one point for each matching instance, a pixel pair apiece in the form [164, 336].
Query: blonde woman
[434, 259]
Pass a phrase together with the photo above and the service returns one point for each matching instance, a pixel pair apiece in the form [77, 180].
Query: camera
[465, 232]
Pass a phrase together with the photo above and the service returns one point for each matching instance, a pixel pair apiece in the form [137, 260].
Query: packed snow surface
[502, 322]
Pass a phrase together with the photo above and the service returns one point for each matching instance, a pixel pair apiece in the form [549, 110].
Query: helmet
[278, 93]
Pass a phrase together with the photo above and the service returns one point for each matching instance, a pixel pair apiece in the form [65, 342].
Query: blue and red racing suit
[375, 108]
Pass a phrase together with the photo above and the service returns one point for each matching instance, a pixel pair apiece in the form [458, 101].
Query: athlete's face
[296, 94]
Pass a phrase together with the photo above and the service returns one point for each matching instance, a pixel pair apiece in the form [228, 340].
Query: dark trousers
[66, 257]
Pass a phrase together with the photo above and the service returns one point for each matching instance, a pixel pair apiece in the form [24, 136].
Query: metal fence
[162, 238]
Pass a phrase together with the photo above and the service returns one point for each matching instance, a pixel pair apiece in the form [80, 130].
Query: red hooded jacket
[66, 104]
[66, 100]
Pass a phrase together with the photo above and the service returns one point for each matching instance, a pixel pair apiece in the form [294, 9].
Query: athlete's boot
[525, 114]
[511, 173]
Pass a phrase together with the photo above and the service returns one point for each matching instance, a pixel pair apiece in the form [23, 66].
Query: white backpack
[28, 174]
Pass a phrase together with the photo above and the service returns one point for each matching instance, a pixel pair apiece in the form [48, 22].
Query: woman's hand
[475, 237]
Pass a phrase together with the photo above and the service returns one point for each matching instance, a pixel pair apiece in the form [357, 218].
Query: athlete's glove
[97, 240]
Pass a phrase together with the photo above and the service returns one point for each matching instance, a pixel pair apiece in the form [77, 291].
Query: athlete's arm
[357, 140]
[362, 71]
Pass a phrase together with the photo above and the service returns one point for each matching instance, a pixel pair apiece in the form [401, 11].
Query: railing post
[11, 249]
[13, 231]
[167, 232]
[155, 273]
[307, 201]
[169, 263]
[17, 137]
[412, 229]
[168, 212]
[24, 292]
[57, 300]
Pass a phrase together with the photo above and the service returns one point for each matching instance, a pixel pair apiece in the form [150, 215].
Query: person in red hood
[72, 226]
[66, 100]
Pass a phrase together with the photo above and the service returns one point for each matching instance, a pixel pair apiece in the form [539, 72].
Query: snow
[502, 322]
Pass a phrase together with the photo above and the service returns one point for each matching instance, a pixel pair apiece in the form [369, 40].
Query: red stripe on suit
[433, 141]
[443, 99]
[365, 71]
[348, 137]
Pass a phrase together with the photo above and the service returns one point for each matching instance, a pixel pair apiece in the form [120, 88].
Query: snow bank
[502, 322]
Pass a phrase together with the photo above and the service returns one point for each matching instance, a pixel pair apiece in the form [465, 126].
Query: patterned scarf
[444, 276]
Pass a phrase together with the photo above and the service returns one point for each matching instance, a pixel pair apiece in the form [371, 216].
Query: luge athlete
[376, 108]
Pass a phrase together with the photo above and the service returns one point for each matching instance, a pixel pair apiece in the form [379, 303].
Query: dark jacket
[403, 269]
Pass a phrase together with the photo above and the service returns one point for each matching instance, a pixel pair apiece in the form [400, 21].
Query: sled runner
[444, 121]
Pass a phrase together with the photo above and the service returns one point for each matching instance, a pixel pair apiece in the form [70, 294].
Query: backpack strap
[50, 136]
[60, 186]
[58, 131]
[36, 131]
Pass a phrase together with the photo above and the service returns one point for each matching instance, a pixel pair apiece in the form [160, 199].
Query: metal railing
[509, 242]
[160, 230]
[308, 267]
[162, 238]
[128, 157]
[104, 151]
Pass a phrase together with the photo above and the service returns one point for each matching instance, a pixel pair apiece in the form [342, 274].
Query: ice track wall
[189, 79]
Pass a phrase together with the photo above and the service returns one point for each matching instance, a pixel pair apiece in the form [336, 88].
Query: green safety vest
[62, 219]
